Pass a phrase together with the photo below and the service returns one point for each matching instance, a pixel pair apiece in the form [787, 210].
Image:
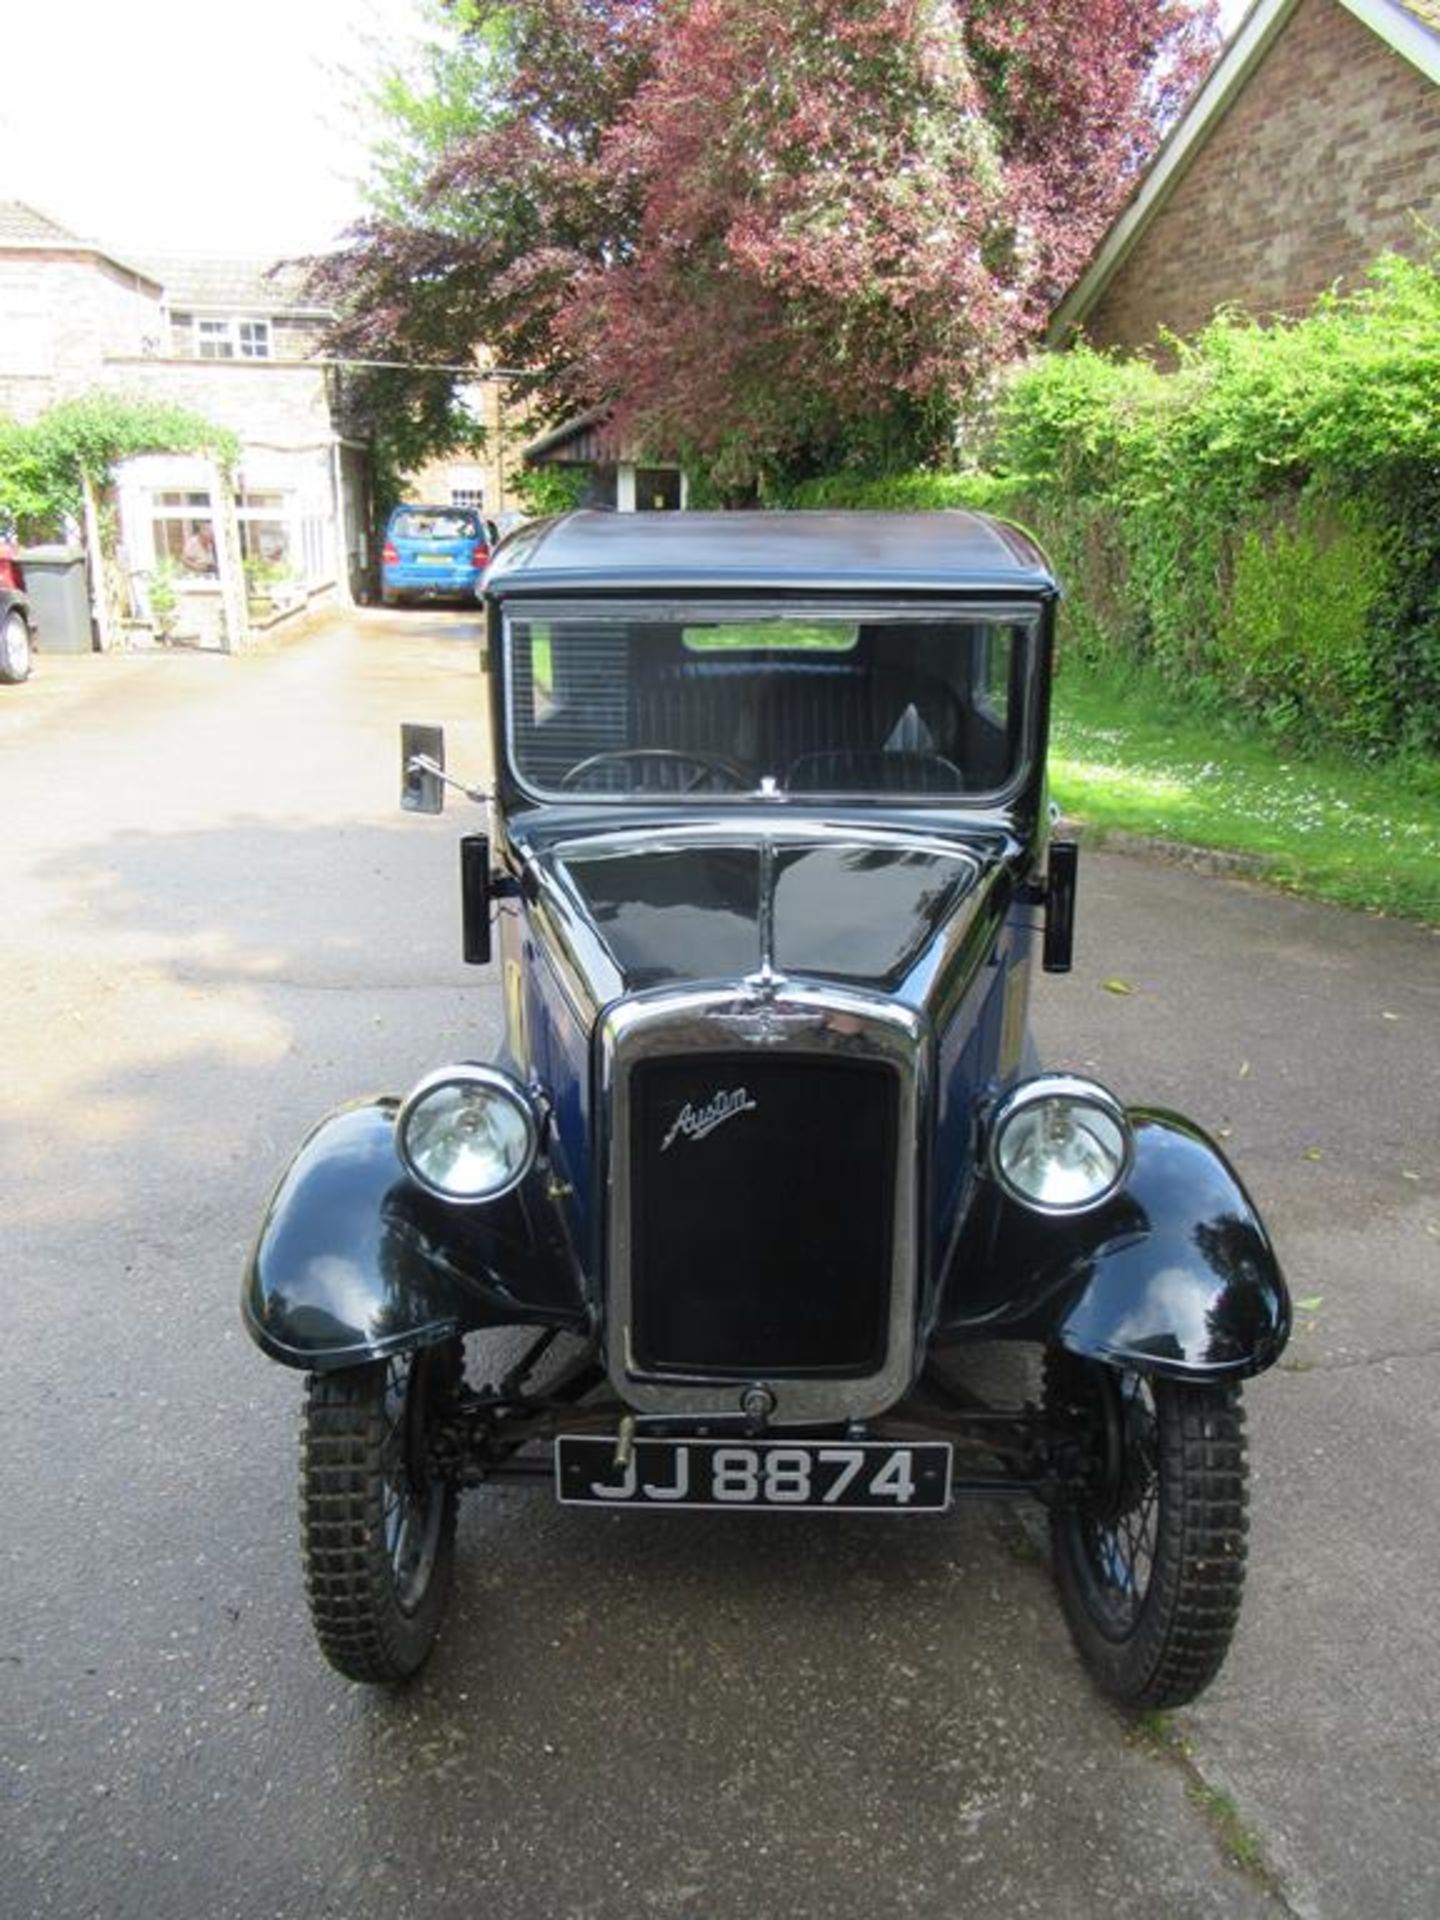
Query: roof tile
[233, 285]
[22, 225]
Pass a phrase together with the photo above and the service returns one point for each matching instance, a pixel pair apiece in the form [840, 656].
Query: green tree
[777, 231]
[46, 465]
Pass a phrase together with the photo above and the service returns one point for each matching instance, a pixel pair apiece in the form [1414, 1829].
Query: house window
[183, 529]
[283, 539]
[314, 539]
[264, 536]
[283, 535]
[232, 339]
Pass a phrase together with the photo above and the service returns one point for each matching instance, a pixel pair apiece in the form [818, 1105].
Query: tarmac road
[216, 925]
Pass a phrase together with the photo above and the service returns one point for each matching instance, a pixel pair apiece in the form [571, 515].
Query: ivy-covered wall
[1260, 526]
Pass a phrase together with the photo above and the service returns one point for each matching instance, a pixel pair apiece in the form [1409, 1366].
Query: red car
[17, 629]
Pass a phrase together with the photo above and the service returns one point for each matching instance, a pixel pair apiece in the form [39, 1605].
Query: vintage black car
[767, 1145]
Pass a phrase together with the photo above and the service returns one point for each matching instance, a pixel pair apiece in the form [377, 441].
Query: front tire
[15, 651]
[1149, 1553]
[377, 1517]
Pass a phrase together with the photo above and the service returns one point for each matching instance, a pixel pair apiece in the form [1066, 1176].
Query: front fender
[353, 1261]
[1176, 1275]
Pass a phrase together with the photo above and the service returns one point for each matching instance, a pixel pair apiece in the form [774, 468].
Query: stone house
[232, 341]
[1313, 147]
[65, 303]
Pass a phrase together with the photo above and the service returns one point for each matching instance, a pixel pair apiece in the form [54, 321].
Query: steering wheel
[705, 764]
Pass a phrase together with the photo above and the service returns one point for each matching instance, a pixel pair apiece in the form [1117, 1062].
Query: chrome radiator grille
[762, 1196]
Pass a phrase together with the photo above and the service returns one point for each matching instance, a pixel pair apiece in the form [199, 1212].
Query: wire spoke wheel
[377, 1515]
[1149, 1551]
[414, 1501]
[1118, 1532]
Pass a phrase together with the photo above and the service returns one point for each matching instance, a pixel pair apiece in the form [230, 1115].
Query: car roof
[950, 551]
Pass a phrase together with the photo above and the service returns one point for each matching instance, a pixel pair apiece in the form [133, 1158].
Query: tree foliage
[1080, 93]
[758, 230]
[821, 206]
[45, 464]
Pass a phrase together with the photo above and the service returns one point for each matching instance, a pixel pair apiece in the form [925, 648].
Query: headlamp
[1060, 1144]
[467, 1133]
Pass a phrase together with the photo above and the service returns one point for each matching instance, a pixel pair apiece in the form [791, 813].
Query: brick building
[1313, 147]
[483, 477]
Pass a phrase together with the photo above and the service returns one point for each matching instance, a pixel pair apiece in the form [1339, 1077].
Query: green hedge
[1260, 525]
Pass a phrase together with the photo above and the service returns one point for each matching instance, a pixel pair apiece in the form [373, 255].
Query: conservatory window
[183, 530]
[264, 534]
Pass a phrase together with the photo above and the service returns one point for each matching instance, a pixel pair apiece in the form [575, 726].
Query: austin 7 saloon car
[765, 1146]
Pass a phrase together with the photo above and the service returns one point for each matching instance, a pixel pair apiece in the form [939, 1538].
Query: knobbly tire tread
[362, 1629]
[1188, 1617]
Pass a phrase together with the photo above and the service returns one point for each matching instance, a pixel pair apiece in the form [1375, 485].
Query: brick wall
[508, 428]
[1316, 168]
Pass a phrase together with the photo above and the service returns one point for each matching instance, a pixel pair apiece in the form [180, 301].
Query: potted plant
[269, 588]
[164, 600]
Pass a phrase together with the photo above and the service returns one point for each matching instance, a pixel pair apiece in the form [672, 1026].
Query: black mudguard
[1176, 1275]
[354, 1261]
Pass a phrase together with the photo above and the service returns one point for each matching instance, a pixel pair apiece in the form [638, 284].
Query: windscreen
[633, 701]
[434, 523]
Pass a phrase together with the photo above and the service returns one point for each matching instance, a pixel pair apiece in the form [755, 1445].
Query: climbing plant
[46, 464]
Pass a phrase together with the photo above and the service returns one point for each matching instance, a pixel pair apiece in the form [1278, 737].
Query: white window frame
[276, 507]
[192, 509]
[233, 336]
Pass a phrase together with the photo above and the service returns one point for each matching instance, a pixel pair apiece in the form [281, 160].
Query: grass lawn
[1126, 758]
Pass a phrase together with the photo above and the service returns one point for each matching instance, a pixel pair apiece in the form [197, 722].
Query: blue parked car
[430, 551]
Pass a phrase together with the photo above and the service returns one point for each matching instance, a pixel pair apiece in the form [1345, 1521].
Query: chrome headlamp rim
[1076, 1090]
[469, 1074]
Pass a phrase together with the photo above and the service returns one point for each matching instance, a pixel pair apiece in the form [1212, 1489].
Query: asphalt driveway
[216, 926]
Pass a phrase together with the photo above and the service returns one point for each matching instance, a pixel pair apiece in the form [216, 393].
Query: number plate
[868, 1476]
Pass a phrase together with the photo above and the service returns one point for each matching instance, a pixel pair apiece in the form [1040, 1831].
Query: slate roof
[24, 226]
[225, 284]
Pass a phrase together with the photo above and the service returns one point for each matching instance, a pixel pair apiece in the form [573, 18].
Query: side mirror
[422, 768]
[1060, 878]
[475, 898]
